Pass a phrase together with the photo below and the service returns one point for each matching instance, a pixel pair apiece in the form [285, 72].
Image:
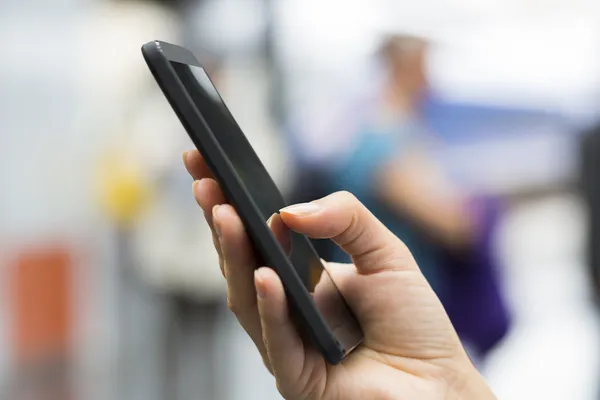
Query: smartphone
[317, 307]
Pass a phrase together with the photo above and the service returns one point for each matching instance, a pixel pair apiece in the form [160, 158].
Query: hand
[410, 351]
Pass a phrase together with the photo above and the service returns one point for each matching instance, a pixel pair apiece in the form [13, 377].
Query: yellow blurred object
[123, 191]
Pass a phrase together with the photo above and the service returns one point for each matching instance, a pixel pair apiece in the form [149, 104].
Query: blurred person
[410, 350]
[377, 147]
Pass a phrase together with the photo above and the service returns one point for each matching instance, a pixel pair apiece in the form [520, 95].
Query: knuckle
[264, 340]
[347, 196]
[282, 389]
[222, 267]
[352, 233]
[233, 307]
[267, 364]
[289, 390]
[217, 245]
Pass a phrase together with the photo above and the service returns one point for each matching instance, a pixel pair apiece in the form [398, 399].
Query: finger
[281, 232]
[195, 165]
[208, 195]
[240, 265]
[345, 220]
[217, 245]
[284, 346]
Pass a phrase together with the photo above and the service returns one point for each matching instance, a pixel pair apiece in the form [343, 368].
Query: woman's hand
[410, 351]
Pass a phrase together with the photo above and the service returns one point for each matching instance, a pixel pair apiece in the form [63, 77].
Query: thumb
[344, 219]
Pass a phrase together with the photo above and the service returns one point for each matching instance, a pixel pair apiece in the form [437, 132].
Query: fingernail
[303, 209]
[270, 220]
[216, 221]
[184, 157]
[194, 184]
[259, 276]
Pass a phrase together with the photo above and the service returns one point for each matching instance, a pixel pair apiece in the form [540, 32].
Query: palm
[403, 341]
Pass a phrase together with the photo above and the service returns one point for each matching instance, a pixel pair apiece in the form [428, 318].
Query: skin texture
[411, 350]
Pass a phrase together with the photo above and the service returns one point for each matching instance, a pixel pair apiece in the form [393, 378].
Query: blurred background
[471, 128]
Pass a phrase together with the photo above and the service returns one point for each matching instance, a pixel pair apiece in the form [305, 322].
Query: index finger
[195, 165]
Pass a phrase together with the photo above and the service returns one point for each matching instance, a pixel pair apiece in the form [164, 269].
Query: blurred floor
[553, 350]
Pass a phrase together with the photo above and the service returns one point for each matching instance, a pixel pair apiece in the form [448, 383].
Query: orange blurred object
[41, 301]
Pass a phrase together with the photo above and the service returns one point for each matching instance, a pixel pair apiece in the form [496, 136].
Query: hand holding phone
[410, 350]
[305, 316]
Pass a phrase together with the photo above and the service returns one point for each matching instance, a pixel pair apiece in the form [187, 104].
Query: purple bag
[473, 295]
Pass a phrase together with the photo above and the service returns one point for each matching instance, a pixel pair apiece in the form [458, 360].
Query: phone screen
[269, 200]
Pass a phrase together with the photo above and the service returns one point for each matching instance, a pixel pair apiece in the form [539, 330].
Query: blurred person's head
[404, 58]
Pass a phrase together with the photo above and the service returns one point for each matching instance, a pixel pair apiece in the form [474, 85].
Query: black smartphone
[317, 307]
